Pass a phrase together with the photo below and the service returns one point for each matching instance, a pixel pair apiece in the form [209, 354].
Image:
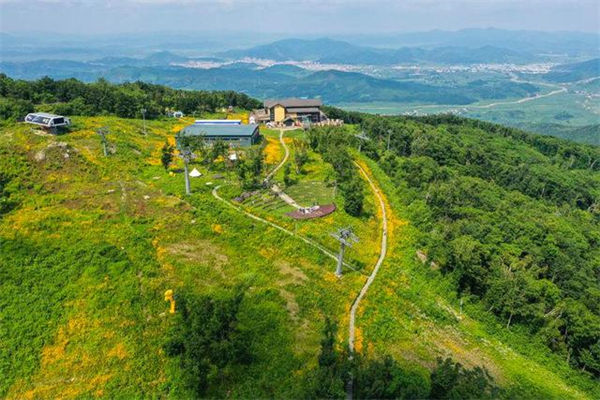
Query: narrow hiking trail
[274, 188]
[370, 279]
[382, 254]
[383, 249]
[283, 160]
[384, 236]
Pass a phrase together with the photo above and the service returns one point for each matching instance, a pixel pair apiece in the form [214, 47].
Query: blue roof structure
[220, 130]
[218, 122]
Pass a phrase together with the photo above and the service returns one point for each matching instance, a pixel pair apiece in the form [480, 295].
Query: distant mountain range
[413, 72]
[572, 44]
[276, 81]
[28, 47]
[328, 51]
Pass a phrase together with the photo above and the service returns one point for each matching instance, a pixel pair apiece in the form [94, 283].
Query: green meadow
[89, 244]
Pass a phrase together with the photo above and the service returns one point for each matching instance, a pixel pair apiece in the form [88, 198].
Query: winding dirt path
[382, 254]
[283, 161]
[274, 188]
[370, 279]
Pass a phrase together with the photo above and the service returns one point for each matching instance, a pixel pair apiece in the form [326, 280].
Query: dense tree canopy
[206, 339]
[331, 143]
[513, 218]
[73, 97]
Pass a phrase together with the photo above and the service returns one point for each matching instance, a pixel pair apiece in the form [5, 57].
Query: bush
[14, 109]
[449, 380]
[206, 338]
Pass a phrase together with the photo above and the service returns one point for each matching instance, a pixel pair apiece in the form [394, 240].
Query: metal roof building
[292, 111]
[294, 103]
[235, 135]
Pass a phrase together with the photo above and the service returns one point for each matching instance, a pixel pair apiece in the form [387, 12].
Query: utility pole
[346, 239]
[103, 131]
[186, 155]
[144, 119]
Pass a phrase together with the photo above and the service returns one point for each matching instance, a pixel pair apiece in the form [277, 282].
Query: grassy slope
[77, 323]
[422, 320]
[102, 332]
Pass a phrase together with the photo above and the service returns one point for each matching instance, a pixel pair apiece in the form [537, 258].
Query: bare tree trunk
[509, 320]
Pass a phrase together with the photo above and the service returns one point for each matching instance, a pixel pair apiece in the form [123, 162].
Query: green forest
[73, 97]
[491, 288]
[512, 217]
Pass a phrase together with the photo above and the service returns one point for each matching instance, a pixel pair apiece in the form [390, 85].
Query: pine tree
[167, 155]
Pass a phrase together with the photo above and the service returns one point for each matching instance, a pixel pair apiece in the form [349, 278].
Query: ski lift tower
[102, 132]
[346, 238]
[362, 136]
[187, 156]
[144, 111]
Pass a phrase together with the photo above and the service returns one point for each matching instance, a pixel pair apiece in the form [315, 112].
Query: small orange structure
[170, 298]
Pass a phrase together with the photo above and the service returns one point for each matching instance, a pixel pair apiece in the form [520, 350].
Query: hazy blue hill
[280, 81]
[239, 66]
[583, 134]
[290, 70]
[339, 52]
[119, 61]
[485, 54]
[492, 89]
[5, 36]
[322, 50]
[336, 86]
[294, 49]
[164, 58]
[372, 56]
[575, 72]
[59, 69]
[240, 79]
[534, 42]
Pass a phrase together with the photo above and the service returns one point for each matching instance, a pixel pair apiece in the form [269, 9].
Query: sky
[295, 17]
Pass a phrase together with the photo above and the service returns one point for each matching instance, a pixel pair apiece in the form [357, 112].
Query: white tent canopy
[195, 173]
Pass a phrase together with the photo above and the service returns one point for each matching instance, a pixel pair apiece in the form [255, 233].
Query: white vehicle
[47, 121]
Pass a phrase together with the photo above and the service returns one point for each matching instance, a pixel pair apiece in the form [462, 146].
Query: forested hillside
[575, 72]
[489, 289]
[333, 86]
[512, 218]
[73, 97]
